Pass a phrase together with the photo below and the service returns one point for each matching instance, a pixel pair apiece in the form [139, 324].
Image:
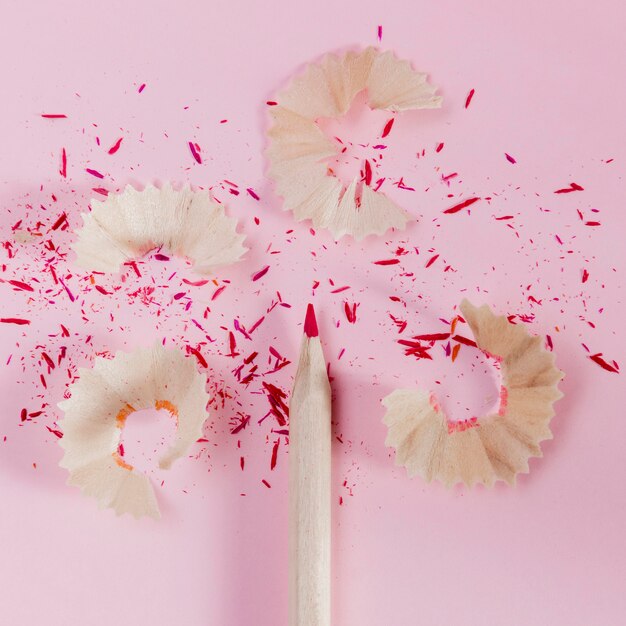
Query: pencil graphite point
[310, 323]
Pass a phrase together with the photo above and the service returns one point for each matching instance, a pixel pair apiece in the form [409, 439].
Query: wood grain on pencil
[309, 485]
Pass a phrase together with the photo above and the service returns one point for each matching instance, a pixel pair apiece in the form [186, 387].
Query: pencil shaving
[102, 399]
[128, 225]
[496, 446]
[299, 148]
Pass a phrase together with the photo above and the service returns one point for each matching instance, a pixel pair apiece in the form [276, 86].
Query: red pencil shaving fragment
[387, 262]
[116, 146]
[217, 292]
[350, 311]
[432, 260]
[62, 219]
[464, 340]
[368, 173]
[462, 205]
[572, 187]
[195, 151]
[48, 360]
[597, 358]
[21, 286]
[432, 337]
[470, 95]
[256, 324]
[232, 344]
[252, 193]
[14, 320]
[509, 158]
[56, 433]
[274, 455]
[260, 273]
[400, 324]
[415, 348]
[241, 422]
[201, 360]
[54, 116]
[63, 170]
[95, 173]
[387, 128]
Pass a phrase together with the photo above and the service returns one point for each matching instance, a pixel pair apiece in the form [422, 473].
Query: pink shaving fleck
[460, 426]
[504, 401]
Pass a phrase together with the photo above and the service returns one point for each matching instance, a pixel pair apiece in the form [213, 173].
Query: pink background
[548, 91]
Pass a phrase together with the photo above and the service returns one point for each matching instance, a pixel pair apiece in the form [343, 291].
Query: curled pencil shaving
[299, 148]
[95, 414]
[489, 448]
[130, 224]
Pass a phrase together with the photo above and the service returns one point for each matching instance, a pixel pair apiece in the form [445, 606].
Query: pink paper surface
[548, 92]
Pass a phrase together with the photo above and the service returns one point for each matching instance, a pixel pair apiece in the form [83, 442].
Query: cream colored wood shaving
[186, 223]
[493, 447]
[95, 414]
[298, 148]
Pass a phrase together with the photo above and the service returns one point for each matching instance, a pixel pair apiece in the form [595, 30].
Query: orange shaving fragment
[120, 461]
[123, 414]
[167, 405]
[453, 325]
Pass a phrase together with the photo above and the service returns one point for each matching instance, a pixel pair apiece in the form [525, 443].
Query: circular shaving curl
[102, 399]
[493, 447]
[130, 224]
[298, 146]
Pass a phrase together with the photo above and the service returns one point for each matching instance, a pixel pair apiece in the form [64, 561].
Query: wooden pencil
[309, 484]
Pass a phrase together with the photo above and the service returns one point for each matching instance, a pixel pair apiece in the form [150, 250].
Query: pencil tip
[310, 323]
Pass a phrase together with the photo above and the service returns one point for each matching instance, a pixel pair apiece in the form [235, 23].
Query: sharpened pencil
[309, 484]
